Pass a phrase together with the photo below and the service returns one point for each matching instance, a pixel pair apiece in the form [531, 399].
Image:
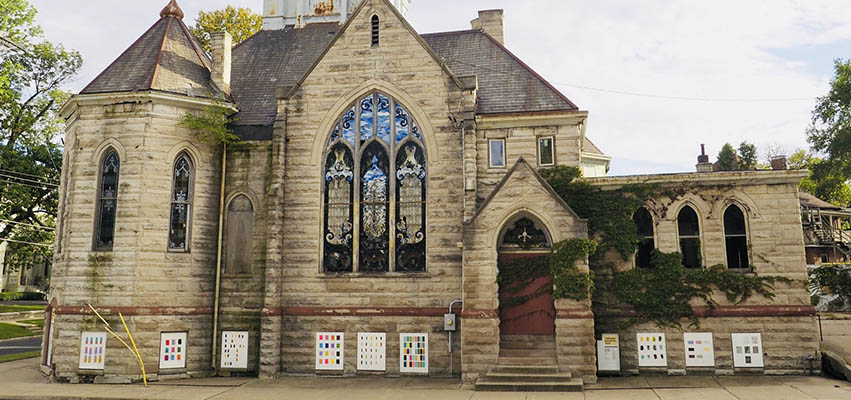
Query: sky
[657, 77]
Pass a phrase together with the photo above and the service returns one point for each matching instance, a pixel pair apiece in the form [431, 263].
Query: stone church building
[381, 174]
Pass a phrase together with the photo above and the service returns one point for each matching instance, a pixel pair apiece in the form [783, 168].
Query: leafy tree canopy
[727, 158]
[241, 23]
[748, 159]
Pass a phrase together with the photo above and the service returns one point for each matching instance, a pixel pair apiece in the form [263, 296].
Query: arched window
[376, 153]
[736, 237]
[375, 30]
[239, 233]
[107, 201]
[688, 228]
[644, 224]
[181, 204]
[524, 234]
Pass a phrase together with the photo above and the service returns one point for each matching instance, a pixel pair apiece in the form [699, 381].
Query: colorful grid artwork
[234, 350]
[699, 349]
[372, 351]
[173, 350]
[92, 350]
[329, 351]
[413, 353]
[651, 350]
[747, 350]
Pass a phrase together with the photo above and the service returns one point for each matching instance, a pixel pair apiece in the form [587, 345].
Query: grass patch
[38, 322]
[19, 356]
[5, 309]
[9, 331]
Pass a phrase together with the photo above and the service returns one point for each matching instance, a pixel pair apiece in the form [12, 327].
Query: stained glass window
[386, 166]
[107, 201]
[181, 204]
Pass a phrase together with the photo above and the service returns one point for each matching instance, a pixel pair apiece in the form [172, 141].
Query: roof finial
[172, 10]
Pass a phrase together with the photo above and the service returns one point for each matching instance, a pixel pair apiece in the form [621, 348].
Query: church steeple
[172, 10]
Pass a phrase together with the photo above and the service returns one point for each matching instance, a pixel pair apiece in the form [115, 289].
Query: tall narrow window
[689, 231]
[736, 237]
[546, 151]
[181, 204]
[107, 202]
[644, 223]
[375, 30]
[375, 155]
[239, 236]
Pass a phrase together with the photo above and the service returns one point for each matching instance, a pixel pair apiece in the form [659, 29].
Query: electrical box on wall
[608, 354]
[450, 322]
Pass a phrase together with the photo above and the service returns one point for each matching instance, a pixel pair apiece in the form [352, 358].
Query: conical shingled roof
[166, 58]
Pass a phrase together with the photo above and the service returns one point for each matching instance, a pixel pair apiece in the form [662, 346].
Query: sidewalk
[21, 380]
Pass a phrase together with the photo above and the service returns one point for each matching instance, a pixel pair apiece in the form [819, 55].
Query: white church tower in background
[279, 13]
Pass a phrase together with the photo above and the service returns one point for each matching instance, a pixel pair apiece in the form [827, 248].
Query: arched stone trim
[734, 196]
[332, 116]
[107, 145]
[520, 211]
[243, 190]
[700, 206]
[188, 148]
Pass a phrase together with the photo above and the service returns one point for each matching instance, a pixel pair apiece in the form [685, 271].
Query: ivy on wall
[833, 280]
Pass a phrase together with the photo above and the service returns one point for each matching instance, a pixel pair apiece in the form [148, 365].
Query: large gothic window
[646, 238]
[181, 204]
[375, 190]
[736, 237]
[688, 228]
[107, 201]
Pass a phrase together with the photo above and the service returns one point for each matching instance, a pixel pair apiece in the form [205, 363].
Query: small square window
[497, 153]
[546, 151]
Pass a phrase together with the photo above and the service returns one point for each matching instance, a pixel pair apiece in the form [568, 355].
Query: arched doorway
[525, 283]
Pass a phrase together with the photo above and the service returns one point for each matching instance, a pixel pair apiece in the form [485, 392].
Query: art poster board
[92, 350]
[608, 353]
[652, 350]
[699, 348]
[329, 351]
[413, 353]
[234, 350]
[173, 350]
[747, 350]
[372, 351]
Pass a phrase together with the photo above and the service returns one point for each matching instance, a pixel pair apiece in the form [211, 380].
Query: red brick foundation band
[361, 311]
[131, 311]
[736, 311]
[574, 313]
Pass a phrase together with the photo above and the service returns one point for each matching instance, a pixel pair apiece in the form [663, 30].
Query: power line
[49, 179]
[639, 94]
[2, 175]
[44, 228]
[29, 185]
[24, 242]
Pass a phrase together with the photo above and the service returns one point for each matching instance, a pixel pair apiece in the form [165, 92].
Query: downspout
[219, 256]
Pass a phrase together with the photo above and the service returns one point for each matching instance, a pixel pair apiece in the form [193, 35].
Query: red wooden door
[535, 316]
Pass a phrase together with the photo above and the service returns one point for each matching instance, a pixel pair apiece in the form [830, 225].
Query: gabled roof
[811, 201]
[589, 147]
[165, 58]
[506, 84]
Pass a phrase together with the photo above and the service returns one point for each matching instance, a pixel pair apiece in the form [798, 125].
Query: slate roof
[165, 58]
[811, 201]
[506, 84]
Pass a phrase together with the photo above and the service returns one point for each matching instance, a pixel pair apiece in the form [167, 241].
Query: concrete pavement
[21, 380]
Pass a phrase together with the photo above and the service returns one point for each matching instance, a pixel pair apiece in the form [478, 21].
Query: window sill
[382, 275]
[237, 276]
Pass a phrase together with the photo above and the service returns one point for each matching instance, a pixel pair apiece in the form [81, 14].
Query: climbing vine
[834, 281]
[211, 125]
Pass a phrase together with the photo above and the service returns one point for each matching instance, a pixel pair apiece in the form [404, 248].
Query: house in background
[827, 230]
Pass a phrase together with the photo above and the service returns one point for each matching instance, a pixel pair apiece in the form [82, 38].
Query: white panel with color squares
[413, 353]
[747, 350]
[173, 350]
[329, 351]
[372, 351]
[699, 349]
[92, 350]
[651, 350]
[234, 350]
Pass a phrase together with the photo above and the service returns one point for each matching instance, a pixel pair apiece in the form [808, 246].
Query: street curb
[17, 316]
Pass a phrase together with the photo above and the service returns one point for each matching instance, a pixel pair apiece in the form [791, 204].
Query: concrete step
[517, 377]
[486, 385]
[524, 369]
[526, 353]
[527, 361]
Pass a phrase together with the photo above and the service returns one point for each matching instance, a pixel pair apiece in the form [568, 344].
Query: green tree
[830, 131]
[748, 159]
[241, 23]
[822, 181]
[727, 158]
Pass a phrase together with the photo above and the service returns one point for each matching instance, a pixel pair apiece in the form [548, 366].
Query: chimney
[491, 22]
[222, 48]
[703, 164]
[778, 163]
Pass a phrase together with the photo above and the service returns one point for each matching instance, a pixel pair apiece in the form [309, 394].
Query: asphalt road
[22, 345]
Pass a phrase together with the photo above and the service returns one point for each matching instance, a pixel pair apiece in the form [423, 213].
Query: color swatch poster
[413, 353]
[92, 350]
[234, 350]
[651, 350]
[173, 350]
[329, 351]
[747, 350]
[372, 351]
[699, 349]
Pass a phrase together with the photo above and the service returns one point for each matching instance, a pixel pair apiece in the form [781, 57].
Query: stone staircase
[527, 364]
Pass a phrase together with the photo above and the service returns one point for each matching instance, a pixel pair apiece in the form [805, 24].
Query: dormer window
[375, 26]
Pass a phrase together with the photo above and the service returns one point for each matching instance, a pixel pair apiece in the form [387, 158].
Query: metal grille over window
[107, 201]
[181, 204]
[736, 237]
[375, 30]
[689, 231]
[644, 224]
[375, 157]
